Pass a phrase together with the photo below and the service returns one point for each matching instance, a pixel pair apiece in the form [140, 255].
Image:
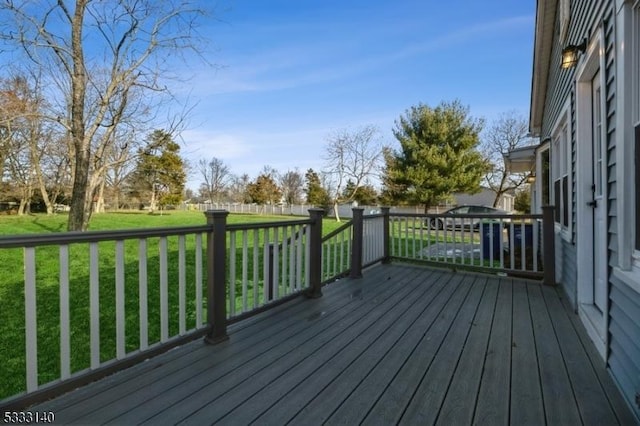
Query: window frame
[561, 173]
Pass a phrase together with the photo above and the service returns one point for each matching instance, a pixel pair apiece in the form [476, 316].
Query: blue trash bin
[517, 235]
[491, 231]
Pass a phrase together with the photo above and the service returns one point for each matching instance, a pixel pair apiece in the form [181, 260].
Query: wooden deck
[405, 344]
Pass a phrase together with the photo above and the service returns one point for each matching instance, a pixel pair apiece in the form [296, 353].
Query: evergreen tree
[316, 193]
[438, 155]
[160, 171]
[365, 195]
[264, 190]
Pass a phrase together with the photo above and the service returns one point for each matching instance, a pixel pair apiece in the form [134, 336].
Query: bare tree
[27, 137]
[238, 189]
[102, 56]
[216, 176]
[506, 133]
[121, 163]
[351, 156]
[292, 183]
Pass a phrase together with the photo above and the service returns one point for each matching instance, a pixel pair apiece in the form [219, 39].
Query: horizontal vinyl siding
[610, 110]
[560, 87]
[623, 356]
[624, 303]
[584, 15]
[569, 273]
[624, 340]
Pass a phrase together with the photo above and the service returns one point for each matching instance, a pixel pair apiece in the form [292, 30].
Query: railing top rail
[33, 240]
[372, 216]
[337, 231]
[274, 224]
[469, 216]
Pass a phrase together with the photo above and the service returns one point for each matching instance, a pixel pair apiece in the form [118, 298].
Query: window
[546, 178]
[560, 173]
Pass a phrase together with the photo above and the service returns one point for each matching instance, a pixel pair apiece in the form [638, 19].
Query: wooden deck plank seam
[459, 324]
[366, 306]
[406, 333]
[480, 332]
[620, 408]
[562, 351]
[526, 289]
[376, 351]
[552, 381]
[553, 296]
[242, 363]
[484, 353]
[377, 313]
[413, 320]
[493, 370]
[203, 351]
[407, 315]
[535, 343]
[362, 394]
[465, 291]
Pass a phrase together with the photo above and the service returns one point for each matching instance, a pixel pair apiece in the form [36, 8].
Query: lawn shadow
[61, 227]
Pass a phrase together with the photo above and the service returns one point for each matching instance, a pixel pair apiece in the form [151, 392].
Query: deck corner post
[385, 235]
[315, 253]
[548, 245]
[355, 270]
[216, 276]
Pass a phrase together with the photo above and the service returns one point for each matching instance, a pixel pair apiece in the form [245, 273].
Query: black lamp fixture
[571, 52]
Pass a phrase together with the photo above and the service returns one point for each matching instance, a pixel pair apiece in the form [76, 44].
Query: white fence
[345, 211]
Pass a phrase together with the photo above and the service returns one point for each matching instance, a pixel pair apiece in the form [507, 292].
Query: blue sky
[291, 72]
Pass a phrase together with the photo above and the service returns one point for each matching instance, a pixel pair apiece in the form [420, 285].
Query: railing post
[385, 235]
[315, 253]
[216, 276]
[548, 245]
[356, 243]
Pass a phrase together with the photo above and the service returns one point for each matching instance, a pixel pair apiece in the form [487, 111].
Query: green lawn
[12, 341]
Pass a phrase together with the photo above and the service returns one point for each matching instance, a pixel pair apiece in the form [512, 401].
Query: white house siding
[623, 345]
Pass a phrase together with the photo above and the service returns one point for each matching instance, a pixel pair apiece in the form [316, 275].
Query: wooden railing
[92, 300]
[510, 244]
[336, 252]
[97, 302]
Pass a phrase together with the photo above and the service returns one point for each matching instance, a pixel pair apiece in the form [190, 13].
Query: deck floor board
[404, 344]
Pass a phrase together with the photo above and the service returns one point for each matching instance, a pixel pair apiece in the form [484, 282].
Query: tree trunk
[152, 202]
[335, 211]
[100, 198]
[80, 212]
[43, 189]
[116, 199]
[25, 202]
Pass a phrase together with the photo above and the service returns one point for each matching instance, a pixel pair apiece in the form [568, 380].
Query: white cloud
[207, 144]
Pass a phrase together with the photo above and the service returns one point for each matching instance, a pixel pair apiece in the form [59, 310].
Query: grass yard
[12, 314]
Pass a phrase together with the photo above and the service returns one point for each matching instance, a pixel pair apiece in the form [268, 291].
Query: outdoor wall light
[571, 52]
[531, 178]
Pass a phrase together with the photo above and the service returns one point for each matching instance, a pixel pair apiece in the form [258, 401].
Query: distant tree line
[439, 151]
